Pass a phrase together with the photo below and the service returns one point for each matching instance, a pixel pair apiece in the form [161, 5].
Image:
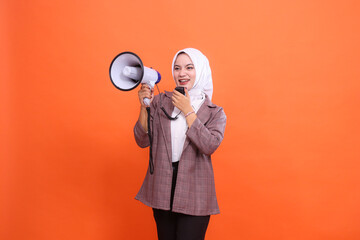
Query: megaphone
[127, 72]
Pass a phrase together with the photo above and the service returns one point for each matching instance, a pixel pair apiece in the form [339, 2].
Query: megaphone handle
[147, 101]
[150, 84]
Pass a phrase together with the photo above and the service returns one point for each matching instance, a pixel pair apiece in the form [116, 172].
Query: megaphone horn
[127, 72]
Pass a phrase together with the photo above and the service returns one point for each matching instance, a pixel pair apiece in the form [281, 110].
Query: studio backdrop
[286, 73]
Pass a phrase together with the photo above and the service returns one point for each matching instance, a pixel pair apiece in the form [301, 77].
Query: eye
[190, 68]
[176, 68]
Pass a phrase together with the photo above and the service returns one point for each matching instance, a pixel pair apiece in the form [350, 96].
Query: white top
[179, 127]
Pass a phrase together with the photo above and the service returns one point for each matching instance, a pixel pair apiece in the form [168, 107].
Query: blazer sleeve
[207, 137]
[141, 136]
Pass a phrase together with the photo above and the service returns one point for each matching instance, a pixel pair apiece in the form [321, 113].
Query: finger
[145, 90]
[144, 94]
[178, 94]
[176, 97]
[145, 86]
[186, 91]
[175, 104]
[175, 93]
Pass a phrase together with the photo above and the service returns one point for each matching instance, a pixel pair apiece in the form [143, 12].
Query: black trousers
[177, 226]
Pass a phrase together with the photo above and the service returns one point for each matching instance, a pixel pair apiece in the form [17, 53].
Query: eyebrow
[185, 65]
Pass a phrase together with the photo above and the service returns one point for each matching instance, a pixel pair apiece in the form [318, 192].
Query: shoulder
[216, 113]
[212, 107]
[162, 96]
[158, 98]
[210, 113]
[161, 100]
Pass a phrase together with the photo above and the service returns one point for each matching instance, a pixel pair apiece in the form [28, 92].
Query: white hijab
[203, 85]
[203, 81]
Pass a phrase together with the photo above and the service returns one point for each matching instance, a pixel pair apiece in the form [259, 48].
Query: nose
[182, 72]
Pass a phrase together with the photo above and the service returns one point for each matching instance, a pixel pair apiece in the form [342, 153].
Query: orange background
[286, 72]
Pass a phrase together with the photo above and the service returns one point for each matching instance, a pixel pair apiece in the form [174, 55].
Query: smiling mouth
[184, 80]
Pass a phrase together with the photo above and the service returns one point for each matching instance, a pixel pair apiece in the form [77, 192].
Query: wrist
[189, 113]
[187, 110]
[143, 110]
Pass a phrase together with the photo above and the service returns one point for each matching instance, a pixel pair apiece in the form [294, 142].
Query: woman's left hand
[181, 101]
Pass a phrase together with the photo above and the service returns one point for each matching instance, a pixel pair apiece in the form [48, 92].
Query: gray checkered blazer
[195, 188]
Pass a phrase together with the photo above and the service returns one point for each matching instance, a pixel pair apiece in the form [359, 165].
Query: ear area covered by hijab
[203, 81]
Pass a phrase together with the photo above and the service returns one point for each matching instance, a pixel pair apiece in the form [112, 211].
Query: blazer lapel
[203, 115]
[165, 122]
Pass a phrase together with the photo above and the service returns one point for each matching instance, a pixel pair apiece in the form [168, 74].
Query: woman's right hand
[145, 92]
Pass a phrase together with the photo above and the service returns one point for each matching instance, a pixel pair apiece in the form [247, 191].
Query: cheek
[192, 81]
[193, 77]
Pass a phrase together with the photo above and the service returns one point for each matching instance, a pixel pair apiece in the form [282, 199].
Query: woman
[181, 189]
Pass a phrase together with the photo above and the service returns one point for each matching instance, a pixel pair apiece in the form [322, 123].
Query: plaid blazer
[195, 188]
